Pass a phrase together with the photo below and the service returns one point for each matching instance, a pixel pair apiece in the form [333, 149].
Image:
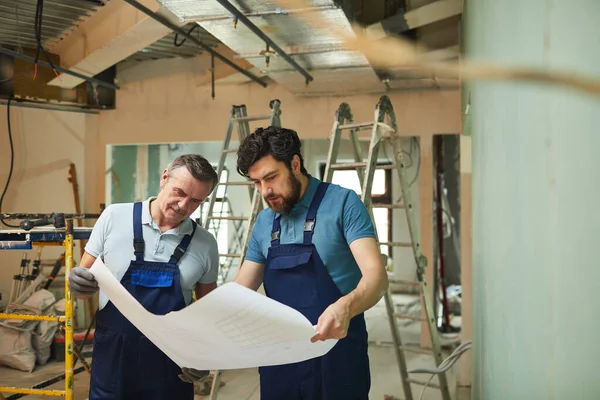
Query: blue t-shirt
[342, 218]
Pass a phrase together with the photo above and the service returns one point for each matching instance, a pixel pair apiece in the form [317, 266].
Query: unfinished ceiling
[334, 68]
[59, 18]
[321, 53]
[76, 31]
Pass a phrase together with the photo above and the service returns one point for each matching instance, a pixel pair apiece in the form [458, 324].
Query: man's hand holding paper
[230, 328]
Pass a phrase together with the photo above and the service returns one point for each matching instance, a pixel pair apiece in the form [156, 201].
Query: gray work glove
[82, 282]
[191, 375]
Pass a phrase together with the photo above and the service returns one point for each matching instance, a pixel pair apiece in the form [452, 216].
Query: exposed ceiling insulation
[59, 18]
[335, 70]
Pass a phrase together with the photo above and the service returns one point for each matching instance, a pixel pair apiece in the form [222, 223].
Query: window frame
[384, 198]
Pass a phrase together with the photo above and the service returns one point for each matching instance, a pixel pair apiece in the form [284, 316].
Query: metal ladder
[238, 119]
[25, 278]
[383, 134]
[234, 240]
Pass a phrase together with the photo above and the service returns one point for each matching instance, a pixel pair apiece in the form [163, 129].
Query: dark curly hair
[281, 143]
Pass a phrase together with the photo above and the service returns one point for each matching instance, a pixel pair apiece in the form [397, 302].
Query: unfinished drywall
[535, 204]
[134, 171]
[174, 110]
[45, 144]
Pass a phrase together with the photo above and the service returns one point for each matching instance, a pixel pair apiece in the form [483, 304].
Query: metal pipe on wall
[300, 50]
[263, 13]
[42, 106]
[163, 21]
[238, 14]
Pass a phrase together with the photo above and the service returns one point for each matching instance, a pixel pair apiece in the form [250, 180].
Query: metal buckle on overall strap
[138, 246]
[178, 253]
[275, 235]
[309, 225]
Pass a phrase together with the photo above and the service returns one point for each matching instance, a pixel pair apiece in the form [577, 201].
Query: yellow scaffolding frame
[67, 320]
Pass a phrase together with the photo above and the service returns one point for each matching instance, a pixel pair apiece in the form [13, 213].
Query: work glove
[82, 282]
[191, 375]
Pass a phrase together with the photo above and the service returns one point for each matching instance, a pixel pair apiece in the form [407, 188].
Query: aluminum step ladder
[234, 240]
[240, 121]
[385, 134]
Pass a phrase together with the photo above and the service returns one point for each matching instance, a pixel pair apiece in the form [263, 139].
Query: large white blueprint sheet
[232, 327]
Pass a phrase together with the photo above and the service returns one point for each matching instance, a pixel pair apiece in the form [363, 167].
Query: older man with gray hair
[160, 256]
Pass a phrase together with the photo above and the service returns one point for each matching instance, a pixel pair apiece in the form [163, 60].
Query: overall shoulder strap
[183, 245]
[311, 215]
[138, 236]
[276, 231]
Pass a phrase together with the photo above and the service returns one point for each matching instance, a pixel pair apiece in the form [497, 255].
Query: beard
[286, 202]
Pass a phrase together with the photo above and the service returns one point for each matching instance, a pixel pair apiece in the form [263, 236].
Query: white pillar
[536, 204]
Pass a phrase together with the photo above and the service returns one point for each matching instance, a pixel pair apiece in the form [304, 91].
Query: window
[381, 193]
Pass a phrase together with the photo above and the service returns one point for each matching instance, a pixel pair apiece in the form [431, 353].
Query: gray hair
[198, 166]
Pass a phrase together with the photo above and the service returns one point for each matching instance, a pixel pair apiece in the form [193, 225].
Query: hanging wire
[444, 365]
[39, 12]
[189, 32]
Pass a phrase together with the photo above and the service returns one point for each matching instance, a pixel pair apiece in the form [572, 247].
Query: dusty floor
[243, 384]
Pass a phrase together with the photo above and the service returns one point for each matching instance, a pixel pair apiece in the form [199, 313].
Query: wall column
[536, 188]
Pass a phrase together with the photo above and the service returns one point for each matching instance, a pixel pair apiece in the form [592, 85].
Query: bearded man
[314, 249]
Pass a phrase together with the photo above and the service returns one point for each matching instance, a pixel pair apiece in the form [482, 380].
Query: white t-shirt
[112, 240]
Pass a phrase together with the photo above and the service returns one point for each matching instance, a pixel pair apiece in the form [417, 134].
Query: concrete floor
[243, 384]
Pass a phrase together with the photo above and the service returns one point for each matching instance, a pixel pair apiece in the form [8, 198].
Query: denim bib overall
[296, 276]
[125, 364]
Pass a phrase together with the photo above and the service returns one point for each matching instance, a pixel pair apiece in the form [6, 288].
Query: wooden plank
[73, 179]
[111, 34]
[426, 228]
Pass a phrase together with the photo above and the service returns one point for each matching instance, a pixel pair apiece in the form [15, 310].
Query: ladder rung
[386, 166]
[396, 244]
[360, 165]
[416, 283]
[349, 165]
[232, 255]
[252, 118]
[357, 125]
[415, 349]
[409, 316]
[228, 218]
[241, 183]
[381, 205]
[230, 151]
[365, 125]
[423, 383]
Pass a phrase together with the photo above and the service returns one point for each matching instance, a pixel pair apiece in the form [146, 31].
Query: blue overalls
[296, 276]
[125, 364]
